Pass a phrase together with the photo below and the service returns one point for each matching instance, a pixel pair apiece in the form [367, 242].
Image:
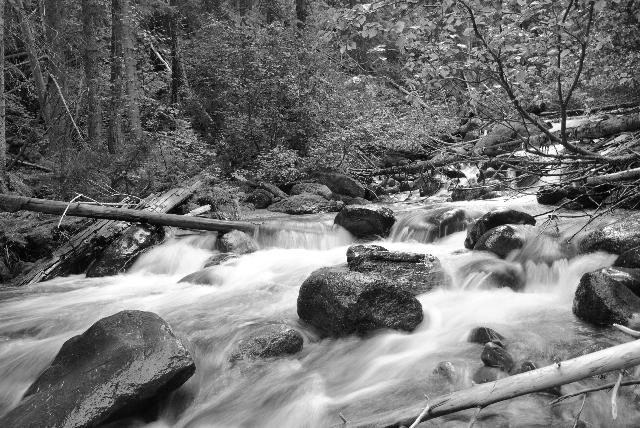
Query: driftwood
[13, 203]
[479, 396]
[82, 248]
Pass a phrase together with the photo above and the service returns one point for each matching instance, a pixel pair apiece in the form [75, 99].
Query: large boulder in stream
[629, 259]
[493, 219]
[311, 189]
[305, 204]
[617, 238]
[237, 242]
[416, 273]
[118, 367]
[608, 296]
[340, 302]
[501, 240]
[269, 342]
[342, 184]
[121, 253]
[366, 221]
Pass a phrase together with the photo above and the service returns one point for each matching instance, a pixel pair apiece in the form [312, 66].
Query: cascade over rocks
[268, 342]
[220, 258]
[119, 366]
[427, 226]
[207, 276]
[121, 253]
[340, 302]
[493, 219]
[416, 273]
[366, 221]
[311, 189]
[609, 295]
[617, 238]
[237, 242]
[492, 272]
[305, 204]
[501, 240]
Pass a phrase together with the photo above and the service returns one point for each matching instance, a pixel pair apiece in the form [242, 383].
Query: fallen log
[12, 203]
[82, 248]
[479, 396]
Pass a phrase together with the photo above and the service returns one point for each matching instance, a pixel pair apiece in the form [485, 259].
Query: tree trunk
[117, 71]
[12, 203]
[176, 75]
[91, 11]
[129, 51]
[3, 139]
[301, 13]
[479, 396]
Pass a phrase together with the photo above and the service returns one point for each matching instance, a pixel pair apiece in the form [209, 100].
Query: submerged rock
[608, 296]
[366, 221]
[305, 204]
[416, 273]
[501, 240]
[339, 302]
[116, 368]
[237, 242]
[268, 342]
[493, 219]
[121, 253]
[494, 355]
[311, 189]
[488, 374]
[483, 335]
[207, 276]
[219, 259]
[617, 238]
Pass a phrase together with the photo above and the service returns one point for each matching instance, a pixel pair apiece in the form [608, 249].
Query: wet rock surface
[311, 189]
[608, 296]
[493, 219]
[488, 273]
[629, 259]
[237, 242]
[219, 259]
[483, 335]
[501, 240]
[550, 195]
[366, 221]
[260, 198]
[121, 253]
[269, 342]
[207, 276]
[116, 368]
[617, 238]
[494, 355]
[305, 204]
[342, 184]
[339, 302]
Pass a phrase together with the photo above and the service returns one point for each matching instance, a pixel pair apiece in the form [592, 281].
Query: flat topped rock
[114, 368]
[365, 221]
[493, 219]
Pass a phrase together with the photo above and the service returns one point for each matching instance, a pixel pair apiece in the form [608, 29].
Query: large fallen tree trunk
[13, 203]
[82, 248]
[479, 396]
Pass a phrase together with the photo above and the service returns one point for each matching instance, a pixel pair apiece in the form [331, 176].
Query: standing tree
[129, 51]
[117, 72]
[91, 12]
[3, 140]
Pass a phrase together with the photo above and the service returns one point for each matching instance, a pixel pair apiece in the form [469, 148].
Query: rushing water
[355, 377]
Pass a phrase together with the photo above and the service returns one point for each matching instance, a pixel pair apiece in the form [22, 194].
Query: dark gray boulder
[550, 195]
[616, 238]
[207, 276]
[416, 273]
[305, 204]
[269, 342]
[366, 221]
[494, 355]
[260, 198]
[493, 219]
[360, 249]
[237, 242]
[608, 296]
[116, 368]
[311, 189]
[629, 259]
[121, 253]
[501, 240]
[483, 335]
[342, 184]
[339, 302]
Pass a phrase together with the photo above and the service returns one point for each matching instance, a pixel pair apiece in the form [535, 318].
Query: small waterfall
[428, 225]
[316, 235]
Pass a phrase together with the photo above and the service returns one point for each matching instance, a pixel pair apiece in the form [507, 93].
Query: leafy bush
[279, 165]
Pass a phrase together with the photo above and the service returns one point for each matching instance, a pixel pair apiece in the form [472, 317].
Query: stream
[355, 377]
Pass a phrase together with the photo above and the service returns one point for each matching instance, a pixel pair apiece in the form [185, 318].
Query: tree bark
[3, 139]
[128, 39]
[12, 203]
[176, 75]
[117, 70]
[615, 358]
[301, 13]
[91, 11]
